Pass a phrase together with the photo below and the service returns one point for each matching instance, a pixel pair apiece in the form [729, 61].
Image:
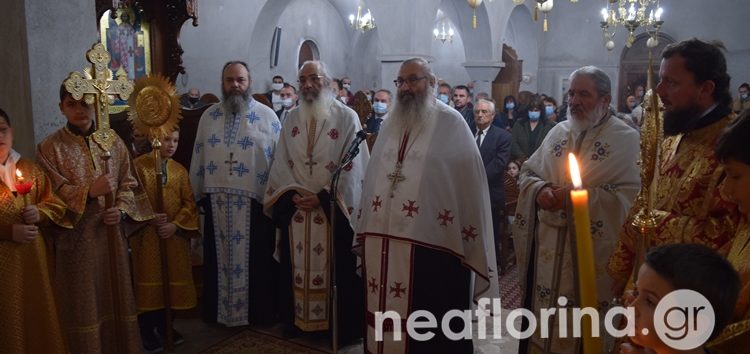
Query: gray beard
[236, 103]
[581, 125]
[319, 108]
[410, 114]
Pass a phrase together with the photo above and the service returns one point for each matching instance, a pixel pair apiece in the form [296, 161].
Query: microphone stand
[350, 155]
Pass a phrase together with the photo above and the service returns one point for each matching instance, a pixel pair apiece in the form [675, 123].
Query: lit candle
[19, 176]
[579, 198]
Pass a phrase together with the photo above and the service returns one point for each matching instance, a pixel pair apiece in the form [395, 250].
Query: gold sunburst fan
[155, 107]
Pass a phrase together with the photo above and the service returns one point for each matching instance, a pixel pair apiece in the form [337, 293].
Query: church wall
[236, 20]
[575, 37]
[14, 67]
[364, 69]
[59, 34]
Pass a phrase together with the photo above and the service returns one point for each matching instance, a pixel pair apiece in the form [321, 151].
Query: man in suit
[494, 146]
[288, 101]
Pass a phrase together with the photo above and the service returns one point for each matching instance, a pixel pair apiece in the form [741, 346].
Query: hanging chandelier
[631, 14]
[545, 6]
[443, 35]
[363, 21]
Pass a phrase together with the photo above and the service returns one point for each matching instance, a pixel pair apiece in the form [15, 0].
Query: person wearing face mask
[192, 100]
[346, 83]
[507, 113]
[529, 130]
[743, 100]
[444, 93]
[550, 108]
[381, 103]
[288, 101]
[274, 96]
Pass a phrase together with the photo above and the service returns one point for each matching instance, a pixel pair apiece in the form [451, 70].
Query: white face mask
[287, 102]
[347, 86]
[277, 86]
[380, 107]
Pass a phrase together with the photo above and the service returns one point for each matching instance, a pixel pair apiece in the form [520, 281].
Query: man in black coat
[494, 146]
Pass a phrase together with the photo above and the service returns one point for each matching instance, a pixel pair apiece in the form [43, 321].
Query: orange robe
[83, 281]
[28, 312]
[180, 208]
[688, 203]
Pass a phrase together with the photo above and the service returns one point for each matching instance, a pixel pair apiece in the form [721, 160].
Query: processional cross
[97, 90]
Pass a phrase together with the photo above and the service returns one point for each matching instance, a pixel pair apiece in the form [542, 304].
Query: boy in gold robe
[176, 223]
[27, 304]
[92, 273]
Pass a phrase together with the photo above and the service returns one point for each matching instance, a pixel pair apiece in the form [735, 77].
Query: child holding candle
[27, 307]
[177, 223]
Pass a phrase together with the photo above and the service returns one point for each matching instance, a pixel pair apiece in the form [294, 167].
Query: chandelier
[443, 35]
[545, 6]
[363, 21]
[631, 14]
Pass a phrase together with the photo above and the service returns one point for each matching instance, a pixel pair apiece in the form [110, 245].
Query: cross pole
[97, 90]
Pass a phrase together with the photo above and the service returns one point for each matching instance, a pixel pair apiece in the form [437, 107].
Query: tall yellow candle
[579, 198]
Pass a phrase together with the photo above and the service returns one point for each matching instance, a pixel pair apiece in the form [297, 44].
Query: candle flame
[575, 172]
[19, 174]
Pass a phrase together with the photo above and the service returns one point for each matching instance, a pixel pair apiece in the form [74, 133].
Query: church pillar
[483, 72]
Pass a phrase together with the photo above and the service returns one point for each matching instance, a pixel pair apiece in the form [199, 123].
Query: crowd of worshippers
[447, 188]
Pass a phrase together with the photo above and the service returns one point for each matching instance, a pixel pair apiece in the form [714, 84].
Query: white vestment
[442, 204]
[607, 155]
[231, 161]
[306, 156]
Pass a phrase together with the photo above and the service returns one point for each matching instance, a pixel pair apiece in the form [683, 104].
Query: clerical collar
[712, 115]
[73, 129]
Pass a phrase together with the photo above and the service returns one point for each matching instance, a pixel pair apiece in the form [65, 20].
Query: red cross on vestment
[411, 208]
[445, 217]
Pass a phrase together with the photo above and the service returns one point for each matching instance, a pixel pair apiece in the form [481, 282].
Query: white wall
[448, 58]
[232, 30]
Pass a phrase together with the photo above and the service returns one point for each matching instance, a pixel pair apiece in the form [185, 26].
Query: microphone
[354, 147]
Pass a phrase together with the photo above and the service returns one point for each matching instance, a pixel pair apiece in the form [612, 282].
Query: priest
[233, 151]
[426, 223]
[607, 150]
[314, 140]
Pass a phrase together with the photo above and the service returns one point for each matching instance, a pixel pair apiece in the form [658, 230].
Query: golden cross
[99, 87]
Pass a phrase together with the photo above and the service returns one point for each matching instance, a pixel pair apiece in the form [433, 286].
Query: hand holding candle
[579, 198]
[23, 187]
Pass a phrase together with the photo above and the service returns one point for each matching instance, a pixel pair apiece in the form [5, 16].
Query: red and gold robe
[180, 208]
[28, 310]
[688, 203]
[83, 281]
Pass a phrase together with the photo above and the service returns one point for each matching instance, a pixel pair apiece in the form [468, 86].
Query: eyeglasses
[315, 79]
[411, 81]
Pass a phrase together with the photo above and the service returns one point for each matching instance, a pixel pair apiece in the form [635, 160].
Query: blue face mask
[510, 105]
[443, 98]
[380, 107]
[548, 110]
[534, 115]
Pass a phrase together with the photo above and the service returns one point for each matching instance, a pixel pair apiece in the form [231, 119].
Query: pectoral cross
[231, 162]
[310, 163]
[98, 88]
[396, 177]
